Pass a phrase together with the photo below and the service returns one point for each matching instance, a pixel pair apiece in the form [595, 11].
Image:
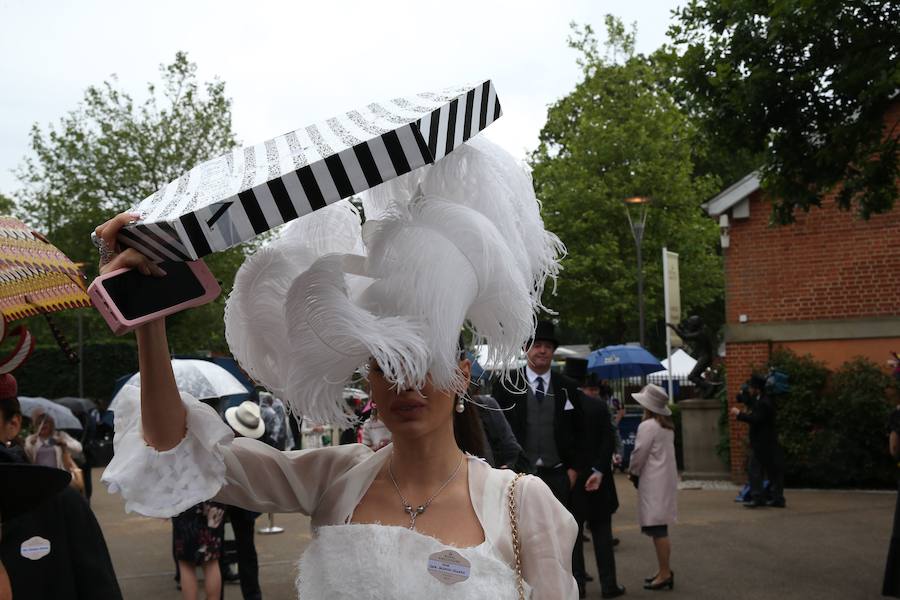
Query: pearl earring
[460, 404]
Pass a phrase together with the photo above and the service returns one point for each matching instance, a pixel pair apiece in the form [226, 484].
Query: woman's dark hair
[9, 407]
[467, 427]
[468, 431]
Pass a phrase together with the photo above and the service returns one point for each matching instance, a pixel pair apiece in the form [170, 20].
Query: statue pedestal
[700, 435]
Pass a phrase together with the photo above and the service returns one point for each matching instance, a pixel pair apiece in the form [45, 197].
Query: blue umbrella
[619, 362]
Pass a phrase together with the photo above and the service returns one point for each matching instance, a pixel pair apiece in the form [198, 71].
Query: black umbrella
[76, 405]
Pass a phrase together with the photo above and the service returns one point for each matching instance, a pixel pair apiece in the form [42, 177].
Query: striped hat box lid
[230, 199]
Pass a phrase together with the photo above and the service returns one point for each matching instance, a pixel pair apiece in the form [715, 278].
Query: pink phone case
[120, 325]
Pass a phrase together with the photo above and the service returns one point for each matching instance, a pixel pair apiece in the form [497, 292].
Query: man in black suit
[594, 498]
[766, 456]
[544, 412]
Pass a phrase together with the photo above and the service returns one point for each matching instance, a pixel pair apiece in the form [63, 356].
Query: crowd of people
[496, 490]
[52, 548]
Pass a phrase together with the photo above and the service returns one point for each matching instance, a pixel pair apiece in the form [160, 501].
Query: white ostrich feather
[333, 337]
[447, 265]
[483, 176]
[460, 244]
[254, 312]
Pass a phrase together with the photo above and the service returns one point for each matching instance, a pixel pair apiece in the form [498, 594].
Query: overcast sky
[289, 64]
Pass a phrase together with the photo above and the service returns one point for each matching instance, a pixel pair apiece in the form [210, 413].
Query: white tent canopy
[682, 365]
[481, 355]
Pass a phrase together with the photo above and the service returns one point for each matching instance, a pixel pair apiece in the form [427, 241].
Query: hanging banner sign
[672, 292]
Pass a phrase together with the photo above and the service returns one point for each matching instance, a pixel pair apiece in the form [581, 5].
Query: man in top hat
[766, 458]
[594, 498]
[544, 411]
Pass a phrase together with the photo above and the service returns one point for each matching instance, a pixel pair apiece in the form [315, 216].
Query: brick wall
[830, 264]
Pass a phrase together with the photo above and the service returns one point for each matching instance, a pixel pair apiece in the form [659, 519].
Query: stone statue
[703, 346]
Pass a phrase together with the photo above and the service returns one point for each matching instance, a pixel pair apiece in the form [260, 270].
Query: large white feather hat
[457, 244]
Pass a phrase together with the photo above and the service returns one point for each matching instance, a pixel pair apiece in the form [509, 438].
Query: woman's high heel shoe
[665, 583]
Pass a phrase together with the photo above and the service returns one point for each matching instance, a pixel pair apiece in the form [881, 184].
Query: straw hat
[653, 398]
[245, 419]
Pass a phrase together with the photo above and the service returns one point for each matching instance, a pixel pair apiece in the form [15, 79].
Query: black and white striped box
[230, 199]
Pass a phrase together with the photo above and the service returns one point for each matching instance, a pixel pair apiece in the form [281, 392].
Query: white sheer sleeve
[164, 484]
[258, 477]
[210, 463]
[547, 532]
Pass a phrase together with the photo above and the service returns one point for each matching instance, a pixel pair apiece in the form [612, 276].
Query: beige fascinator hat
[653, 398]
[459, 244]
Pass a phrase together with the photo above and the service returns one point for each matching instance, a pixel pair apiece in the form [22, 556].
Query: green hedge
[833, 425]
[47, 373]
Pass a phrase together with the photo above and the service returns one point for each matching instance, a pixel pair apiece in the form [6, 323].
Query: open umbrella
[201, 379]
[35, 277]
[618, 362]
[76, 405]
[62, 416]
[230, 199]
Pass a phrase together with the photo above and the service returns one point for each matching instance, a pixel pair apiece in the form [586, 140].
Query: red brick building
[827, 285]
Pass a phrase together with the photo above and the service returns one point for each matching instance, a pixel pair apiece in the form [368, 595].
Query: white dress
[327, 484]
[360, 562]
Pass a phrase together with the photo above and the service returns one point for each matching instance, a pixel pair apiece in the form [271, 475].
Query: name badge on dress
[35, 548]
[449, 566]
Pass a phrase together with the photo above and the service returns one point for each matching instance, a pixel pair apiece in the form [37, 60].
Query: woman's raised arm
[163, 416]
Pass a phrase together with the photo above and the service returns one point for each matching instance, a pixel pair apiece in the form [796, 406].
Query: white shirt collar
[532, 377]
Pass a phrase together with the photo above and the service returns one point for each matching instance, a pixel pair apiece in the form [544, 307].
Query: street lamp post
[638, 204]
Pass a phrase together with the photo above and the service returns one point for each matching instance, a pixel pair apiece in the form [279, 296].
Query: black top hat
[576, 368]
[758, 381]
[24, 486]
[545, 331]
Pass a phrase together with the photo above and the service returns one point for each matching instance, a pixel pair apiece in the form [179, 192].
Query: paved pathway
[824, 545]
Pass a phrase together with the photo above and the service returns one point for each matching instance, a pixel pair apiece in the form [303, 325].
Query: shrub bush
[852, 449]
[801, 413]
[832, 426]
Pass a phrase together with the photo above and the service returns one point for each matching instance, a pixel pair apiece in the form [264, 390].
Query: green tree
[112, 152]
[618, 134]
[801, 89]
[7, 205]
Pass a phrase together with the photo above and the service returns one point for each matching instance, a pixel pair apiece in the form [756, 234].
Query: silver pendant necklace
[408, 508]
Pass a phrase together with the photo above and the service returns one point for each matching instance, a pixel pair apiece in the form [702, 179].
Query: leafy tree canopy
[801, 86]
[112, 152]
[618, 134]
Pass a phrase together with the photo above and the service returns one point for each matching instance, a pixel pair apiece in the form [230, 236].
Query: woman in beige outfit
[48, 446]
[653, 467]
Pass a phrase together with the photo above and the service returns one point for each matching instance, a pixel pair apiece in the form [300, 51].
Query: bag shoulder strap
[514, 528]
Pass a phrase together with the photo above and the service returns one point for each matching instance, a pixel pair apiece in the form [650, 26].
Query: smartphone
[126, 298]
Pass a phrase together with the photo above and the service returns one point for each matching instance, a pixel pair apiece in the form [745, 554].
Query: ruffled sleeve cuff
[164, 484]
